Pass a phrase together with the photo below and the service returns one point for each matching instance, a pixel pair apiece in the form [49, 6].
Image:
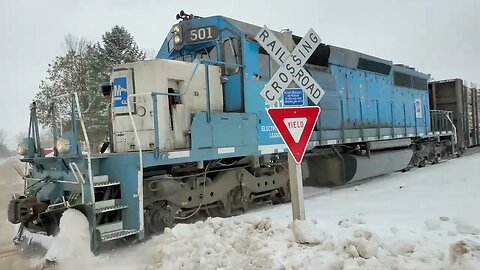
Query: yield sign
[295, 125]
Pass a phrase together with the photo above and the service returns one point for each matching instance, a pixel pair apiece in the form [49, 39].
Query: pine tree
[82, 69]
[118, 47]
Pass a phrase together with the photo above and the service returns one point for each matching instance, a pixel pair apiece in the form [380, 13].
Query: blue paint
[293, 97]
[120, 94]
[223, 130]
[124, 168]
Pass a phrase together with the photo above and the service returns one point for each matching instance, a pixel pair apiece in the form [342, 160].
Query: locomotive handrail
[87, 141]
[135, 131]
[140, 161]
[197, 63]
[454, 129]
[76, 104]
[154, 94]
[79, 177]
[435, 118]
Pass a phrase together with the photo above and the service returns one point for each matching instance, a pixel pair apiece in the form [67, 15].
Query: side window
[264, 64]
[231, 55]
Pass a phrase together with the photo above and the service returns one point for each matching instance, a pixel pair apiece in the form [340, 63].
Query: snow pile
[71, 246]
[219, 244]
[259, 243]
[305, 232]
[463, 228]
[465, 255]
[424, 219]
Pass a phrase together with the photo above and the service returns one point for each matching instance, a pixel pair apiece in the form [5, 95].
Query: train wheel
[422, 163]
[282, 196]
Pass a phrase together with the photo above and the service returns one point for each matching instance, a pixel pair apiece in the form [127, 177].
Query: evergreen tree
[82, 69]
[118, 47]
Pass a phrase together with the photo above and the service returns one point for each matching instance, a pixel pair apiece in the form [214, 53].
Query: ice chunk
[305, 232]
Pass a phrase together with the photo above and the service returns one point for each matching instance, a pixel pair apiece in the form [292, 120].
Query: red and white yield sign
[295, 125]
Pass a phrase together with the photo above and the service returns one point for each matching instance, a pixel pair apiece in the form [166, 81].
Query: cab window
[231, 55]
[184, 58]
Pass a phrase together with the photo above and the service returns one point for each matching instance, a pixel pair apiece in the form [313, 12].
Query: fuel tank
[340, 169]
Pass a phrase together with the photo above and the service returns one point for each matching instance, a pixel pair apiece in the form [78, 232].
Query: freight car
[463, 100]
[189, 134]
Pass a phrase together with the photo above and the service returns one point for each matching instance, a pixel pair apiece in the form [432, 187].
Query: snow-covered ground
[424, 219]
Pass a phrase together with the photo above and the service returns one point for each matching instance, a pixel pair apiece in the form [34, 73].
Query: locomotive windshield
[209, 53]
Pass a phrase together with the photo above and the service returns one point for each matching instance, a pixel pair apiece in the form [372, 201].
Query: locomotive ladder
[109, 230]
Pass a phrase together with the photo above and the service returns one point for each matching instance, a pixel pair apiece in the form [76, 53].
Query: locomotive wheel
[422, 163]
[282, 196]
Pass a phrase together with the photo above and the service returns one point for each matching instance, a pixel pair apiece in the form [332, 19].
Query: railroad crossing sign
[291, 65]
[295, 125]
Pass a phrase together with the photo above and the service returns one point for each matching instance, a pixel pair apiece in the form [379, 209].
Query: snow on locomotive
[189, 134]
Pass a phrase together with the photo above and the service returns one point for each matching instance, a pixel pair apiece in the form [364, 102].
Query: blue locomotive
[189, 134]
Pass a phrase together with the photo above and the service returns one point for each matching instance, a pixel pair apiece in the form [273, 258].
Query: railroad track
[8, 253]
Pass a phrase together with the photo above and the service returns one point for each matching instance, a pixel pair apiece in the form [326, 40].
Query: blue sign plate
[293, 97]
[120, 93]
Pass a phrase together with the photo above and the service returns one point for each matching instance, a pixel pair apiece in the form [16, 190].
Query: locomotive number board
[201, 34]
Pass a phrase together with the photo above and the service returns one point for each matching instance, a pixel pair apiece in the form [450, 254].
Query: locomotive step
[106, 184]
[100, 179]
[107, 203]
[110, 208]
[108, 236]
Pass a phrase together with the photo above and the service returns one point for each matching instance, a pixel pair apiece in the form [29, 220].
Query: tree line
[82, 67]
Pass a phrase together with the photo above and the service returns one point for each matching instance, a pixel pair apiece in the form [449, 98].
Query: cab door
[232, 75]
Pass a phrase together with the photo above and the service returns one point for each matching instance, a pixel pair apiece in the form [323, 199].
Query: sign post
[296, 188]
[295, 124]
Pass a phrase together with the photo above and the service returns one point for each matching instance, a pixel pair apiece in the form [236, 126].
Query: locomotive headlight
[176, 29]
[62, 145]
[22, 149]
[177, 39]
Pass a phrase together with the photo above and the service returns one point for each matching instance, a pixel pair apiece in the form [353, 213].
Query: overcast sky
[439, 37]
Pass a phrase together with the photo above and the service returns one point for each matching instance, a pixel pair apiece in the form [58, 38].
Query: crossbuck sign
[291, 66]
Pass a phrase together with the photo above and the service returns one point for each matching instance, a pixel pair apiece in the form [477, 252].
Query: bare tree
[20, 136]
[75, 44]
[150, 54]
[3, 136]
[4, 152]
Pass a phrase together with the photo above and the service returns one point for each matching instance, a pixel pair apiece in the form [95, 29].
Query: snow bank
[465, 255]
[258, 243]
[429, 223]
[71, 246]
